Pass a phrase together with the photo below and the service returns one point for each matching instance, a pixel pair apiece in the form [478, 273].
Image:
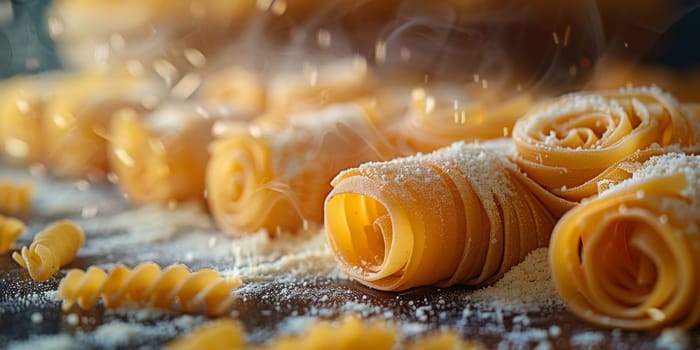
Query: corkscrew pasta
[16, 199]
[10, 230]
[442, 115]
[52, 248]
[463, 214]
[202, 291]
[162, 156]
[566, 144]
[631, 257]
[275, 178]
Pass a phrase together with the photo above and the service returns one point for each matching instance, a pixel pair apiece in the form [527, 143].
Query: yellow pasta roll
[630, 258]
[10, 230]
[462, 214]
[567, 143]
[202, 291]
[78, 116]
[162, 156]
[225, 334]
[22, 104]
[16, 199]
[52, 248]
[275, 178]
[441, 115]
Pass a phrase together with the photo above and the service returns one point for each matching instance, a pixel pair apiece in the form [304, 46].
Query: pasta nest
[631, 257]
[202, 291]
[566, 143]
[277, 178]
[160, 157]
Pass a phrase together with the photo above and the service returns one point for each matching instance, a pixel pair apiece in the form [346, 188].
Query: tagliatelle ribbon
[631, 257]
[568, 145]
[463, 214]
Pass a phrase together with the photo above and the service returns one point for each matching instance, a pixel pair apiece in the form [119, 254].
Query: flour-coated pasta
[275, 178]
[204, 291]
[462, 214]
[161, 156]
[16, 199]
[630, 258]
[567, 145]
[10, 230]
[52, 248]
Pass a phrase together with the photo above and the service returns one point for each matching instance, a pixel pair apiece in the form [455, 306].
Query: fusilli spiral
[10, 229]
[191, 292]
[52, 248]
[16, 199]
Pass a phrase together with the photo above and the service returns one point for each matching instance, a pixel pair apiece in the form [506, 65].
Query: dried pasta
[225, 334]
[340, 81]
[441, 115]
[571, 143]
[275, 178]
[349, 333]
[162, 156]
[462, 214]
[235, 87]
[204, 291]
[10, 230]
[442, 340]
[631, 257]
[16, 199]
[22, 104]
[52, 248]
[77, 119]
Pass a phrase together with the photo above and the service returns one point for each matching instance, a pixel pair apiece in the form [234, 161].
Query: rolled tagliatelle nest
[569, 144]
[276, 178]
[631, 257]
[161, 156]
[463, 214]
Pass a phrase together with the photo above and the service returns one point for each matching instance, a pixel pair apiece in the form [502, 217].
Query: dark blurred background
[671, 39]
